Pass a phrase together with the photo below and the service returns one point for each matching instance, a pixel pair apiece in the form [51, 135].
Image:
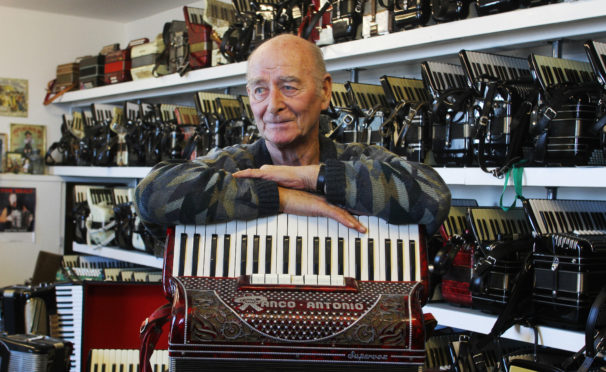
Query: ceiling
[110, 10]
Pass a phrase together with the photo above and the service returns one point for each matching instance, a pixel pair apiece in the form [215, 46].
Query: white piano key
[316, 256]
[405, 253]
[208, 247]
[363, 241]
[374, 250]
[261, 254]
[344, 237]
[220, 254]
[282, 245]
[337, 280]
[251, 232]
[257, 279]
[235, 270]
[303, 228]
[297, 279]
[313, 236]
[331, 257]
[200, 233]
[271, 278]
[291, 230]
[284, 279]
[230, 248]
[414, 236]
[394, 233]
[189, 249]
[324, 280]
[179, 230]
[310, 279]
[272, 233]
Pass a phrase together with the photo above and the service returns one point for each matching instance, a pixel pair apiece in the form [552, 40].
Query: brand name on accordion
[259, 303]
[363, 356]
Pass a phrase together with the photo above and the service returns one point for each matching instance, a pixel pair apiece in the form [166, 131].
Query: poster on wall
[3, 149]
[13, 97]
[17, 209]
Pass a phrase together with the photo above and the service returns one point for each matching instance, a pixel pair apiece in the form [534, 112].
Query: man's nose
[276, 102]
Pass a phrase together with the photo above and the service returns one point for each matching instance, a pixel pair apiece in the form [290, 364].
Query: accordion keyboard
[290, 249]
[492, 224]
[566, 216]
[367, 96]
[482, 66]
[551, 72]
[443, 76]
[125, 360]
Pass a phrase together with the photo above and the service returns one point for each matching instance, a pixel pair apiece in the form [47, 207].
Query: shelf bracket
[556, 48]
[552, 192]
[354, 74]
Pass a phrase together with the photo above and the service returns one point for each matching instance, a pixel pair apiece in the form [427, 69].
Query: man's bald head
[288, 43]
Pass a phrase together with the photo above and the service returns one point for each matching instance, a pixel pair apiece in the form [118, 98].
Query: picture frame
[25, 138]
[13, 97]
[3, 148]
[14, 162]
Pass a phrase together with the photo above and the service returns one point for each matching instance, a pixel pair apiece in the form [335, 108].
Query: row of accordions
[221, 33]
[143, 134]
[181, 46]
[106, 216]
[550, 253]
[490, 111]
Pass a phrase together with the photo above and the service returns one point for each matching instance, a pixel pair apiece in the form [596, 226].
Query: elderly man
[292, 168]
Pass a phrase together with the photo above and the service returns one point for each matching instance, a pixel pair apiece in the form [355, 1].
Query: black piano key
[285, 254]
[340, 256]
[400, 258]
[244, 255]
[316, 255]
[388, 259]
[226, 253]
[358, 249]
[327, 255]
[268, 254]
[182, 254]
[299, 254]
[371, 259]
[213, 255]
[194, 264]
[255, 256]
[412, 257]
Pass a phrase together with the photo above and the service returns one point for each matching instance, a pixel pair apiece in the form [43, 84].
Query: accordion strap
[49, 98]
[150, 332]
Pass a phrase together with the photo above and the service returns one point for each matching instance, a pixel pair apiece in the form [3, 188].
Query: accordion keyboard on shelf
[569, 257]
[297, 291]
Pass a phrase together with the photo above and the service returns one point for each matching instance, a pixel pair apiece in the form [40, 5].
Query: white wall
[33, 44]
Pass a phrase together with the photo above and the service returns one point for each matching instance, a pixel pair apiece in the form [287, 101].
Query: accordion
[569, 258]
[32, 353]
[295, 291]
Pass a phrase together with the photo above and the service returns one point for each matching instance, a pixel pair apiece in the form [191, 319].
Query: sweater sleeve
[370, 180]
[204, 191]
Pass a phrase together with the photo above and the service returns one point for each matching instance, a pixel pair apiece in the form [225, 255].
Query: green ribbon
[516, 171]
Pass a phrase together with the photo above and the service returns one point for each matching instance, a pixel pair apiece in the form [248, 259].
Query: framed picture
[14, 161]
[13, 97]
[3, 147]
[27, 139]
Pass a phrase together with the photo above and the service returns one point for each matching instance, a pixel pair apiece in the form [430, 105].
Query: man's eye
[289, 89]
[260, 92]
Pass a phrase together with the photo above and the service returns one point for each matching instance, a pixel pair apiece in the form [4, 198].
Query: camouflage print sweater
[366, 180]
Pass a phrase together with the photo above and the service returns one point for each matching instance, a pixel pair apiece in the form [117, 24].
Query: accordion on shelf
[92, 70]
[502, 245]
[143, 59]
[569, 258]
[297, 291]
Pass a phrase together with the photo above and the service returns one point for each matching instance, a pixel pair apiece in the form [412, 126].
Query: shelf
[586, 177]
[99, 172]
[477, 321]
[519, 28]
[121, 255]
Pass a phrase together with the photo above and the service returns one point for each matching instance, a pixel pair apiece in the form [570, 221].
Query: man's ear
[326, 91]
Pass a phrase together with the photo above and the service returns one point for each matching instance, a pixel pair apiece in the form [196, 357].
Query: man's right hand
[308, 204]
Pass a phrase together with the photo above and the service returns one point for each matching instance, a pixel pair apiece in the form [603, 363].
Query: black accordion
[33, 353]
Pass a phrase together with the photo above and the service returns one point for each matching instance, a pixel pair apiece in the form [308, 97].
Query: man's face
[284, 95]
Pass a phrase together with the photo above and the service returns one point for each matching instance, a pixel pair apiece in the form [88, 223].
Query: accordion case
[143, 58]
[67, 75]
[117, 67]
[92, 70]
[377, 325]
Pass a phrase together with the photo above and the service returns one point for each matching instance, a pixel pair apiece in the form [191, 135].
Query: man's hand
[307, 204]
[302, 177]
